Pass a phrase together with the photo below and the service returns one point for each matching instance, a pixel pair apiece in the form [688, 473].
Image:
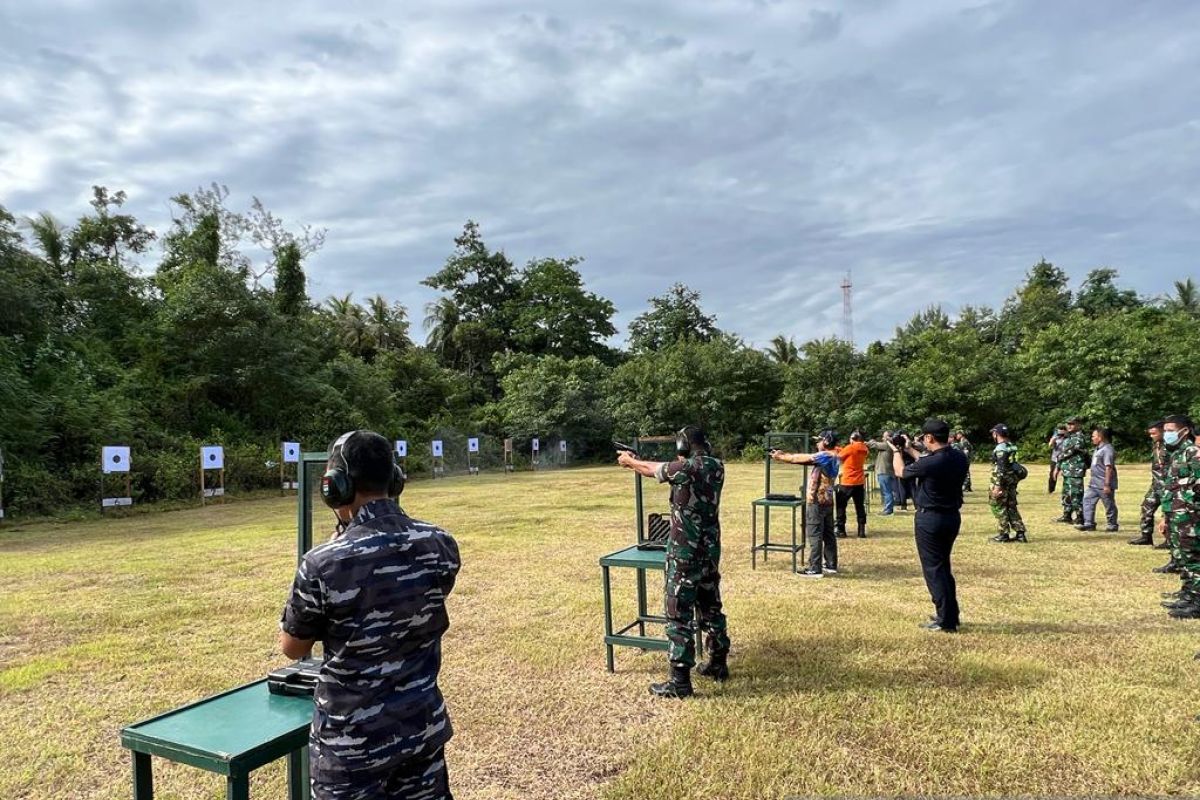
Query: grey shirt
[1103, 457]
[883, 461]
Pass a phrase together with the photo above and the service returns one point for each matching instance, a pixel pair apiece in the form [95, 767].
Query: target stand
[535, 453]
[509, 465]
[212, 459]
[439, 460]
[473, 457]
[114, 460]
[782, 497]
[647, 555]
[289, 477]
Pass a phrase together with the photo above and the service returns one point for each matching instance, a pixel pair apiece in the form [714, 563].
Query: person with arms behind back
[375, 596]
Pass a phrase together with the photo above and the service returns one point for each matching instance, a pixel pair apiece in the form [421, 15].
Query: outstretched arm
[628, 460]
[791, 458]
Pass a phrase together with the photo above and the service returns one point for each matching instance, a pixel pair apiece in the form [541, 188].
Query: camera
[899, 440]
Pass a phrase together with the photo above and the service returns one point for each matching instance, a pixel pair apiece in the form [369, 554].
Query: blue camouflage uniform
[376, 598]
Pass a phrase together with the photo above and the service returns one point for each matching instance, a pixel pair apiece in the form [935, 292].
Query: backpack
[1018, 470]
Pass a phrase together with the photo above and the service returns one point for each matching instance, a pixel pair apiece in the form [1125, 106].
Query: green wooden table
[230, 734]
[796, 548]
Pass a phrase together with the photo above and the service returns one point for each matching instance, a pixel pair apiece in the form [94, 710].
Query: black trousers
[936, 532]
[844, 495]
[905, 489]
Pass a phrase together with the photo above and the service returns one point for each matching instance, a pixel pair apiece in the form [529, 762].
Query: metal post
[143, 778]
[608, 627]
[298, 774]
[237, 788]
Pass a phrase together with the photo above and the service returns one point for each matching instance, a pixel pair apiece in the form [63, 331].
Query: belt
[937, 510]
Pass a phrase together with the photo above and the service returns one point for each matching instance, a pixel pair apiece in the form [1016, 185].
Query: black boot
[1163, 545]
[716, 668]
[1001, 537]
[862, 530]
[1143, 539]
[680, 684]
[1020, 537]
[1066, 518]
[1170, 566]
[1189, 611]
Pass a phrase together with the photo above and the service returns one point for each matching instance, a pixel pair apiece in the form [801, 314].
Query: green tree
[783, 350]
[291, 296]
[555, 315]
[1100, 295]
[673, 317]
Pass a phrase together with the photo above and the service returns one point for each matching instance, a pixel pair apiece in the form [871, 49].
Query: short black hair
[1105, 433]
[369, 461]
[856, 435]
[1180, 421]
[939, 429]
[1158, 423]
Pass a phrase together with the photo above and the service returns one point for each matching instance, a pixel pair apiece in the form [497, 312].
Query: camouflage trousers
[1072, 495]
[1150, 504]
[1188, 539]
[423, 778]
[693, 598]
[1004, 509]
[967, 481]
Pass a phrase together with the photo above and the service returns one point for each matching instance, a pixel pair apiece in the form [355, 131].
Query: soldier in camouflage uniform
[1003, 496]
[375, 596]
[1181, 512]
[1153, 498]
[963, 445]
[693, 559]
[1072, 463]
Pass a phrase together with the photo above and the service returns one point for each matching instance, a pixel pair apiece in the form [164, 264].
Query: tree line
[111, 333]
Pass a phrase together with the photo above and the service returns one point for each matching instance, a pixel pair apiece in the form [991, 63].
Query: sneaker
[938, 627]
[1020, 537]
[1001, 537]
[1113, 529]
[811, 573]
[830, 570]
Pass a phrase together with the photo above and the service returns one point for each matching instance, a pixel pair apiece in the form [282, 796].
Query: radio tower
[847, 310]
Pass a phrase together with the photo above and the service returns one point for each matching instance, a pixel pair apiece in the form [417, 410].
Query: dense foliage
[214, 339]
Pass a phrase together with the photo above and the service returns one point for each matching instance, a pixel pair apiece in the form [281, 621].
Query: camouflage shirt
[1160, 459]
[376, 598]
[1003, 457]
[695, 500]
[1181, 487]
[1072, 459]
[964, 446]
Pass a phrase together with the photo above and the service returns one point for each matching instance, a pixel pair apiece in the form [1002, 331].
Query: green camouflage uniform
[1181, 510]
[965, 447]
[1072, 463]
[1159, 460]
[1004, 507]
[693, 558]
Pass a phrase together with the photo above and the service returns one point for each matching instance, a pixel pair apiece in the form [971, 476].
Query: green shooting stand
[238, 731]
[789, 442]
[640, 560]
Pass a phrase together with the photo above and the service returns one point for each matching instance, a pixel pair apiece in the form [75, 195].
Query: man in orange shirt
[852, 484]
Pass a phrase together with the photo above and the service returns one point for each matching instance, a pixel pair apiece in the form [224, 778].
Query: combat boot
[717, 668]
[1001, 537]
[1065, 518]
[1190, 611]
[1183, 601]
[1170, 566]
[680, 684]
[1020, 537]
[1083, 526]
[1172, 595]
[862, 530]
[1163, 545]
[1143, 539]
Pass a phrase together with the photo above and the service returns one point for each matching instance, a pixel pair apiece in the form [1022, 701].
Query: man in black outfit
[939, 474]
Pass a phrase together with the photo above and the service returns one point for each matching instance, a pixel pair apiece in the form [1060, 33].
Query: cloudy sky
[754, 149]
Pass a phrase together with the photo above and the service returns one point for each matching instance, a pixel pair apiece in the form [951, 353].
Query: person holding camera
[375, 597]
[818, 503]
[939, 477]
[1007, 472]
[693, 558]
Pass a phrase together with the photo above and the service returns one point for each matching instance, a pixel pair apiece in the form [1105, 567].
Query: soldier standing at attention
[963, 445]
[1072, 463]
[693, 558]
[1158, 469]
[1102, 485]
[1055, 445]
[1181, 512]
[376, 597]
[1005, 477]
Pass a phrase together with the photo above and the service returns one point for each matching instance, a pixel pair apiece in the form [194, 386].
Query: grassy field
[1067, 677]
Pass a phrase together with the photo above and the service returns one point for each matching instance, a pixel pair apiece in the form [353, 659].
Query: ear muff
[396, 484]
[337, 487]
[683, 443]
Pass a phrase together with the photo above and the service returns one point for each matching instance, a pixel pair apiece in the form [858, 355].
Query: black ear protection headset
[337, 484]
[684, 440]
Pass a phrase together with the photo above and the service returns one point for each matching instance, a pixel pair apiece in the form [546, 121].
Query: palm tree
[52, 239]
[350, 322]
[387, 325]
[1187, 298]
[441, 320]
[783, 350]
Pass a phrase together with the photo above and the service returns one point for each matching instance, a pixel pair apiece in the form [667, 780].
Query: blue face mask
[1172, 438]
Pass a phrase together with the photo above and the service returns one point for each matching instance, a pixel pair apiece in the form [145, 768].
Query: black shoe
[1020, 537]
[1190, 611]
[938, 627]
[1172, 595]
[1113, 529]
[1001, 537]
[1163, 546]
[1083, 526]
[830, 570]
[811, 573]
[1142, 540]
[1168, 567]
[680, 684]
[1180, 602]
[716, 668]
[862, 531]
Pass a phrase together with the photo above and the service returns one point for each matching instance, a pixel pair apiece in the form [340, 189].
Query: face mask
[1172, 438]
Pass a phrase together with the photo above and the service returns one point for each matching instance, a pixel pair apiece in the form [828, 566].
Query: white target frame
[473, 458]
[289, 454]
[212, 458]
[115, 460]
[436, 447]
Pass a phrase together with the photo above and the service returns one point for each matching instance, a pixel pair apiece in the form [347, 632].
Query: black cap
[1000, 428]
[939, 428]
[828, 436]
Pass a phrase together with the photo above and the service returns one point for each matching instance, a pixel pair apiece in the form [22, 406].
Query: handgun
[622, 447]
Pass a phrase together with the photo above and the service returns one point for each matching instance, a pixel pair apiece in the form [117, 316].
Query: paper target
[536, 445]
[402, 448]
[212, 457]
[114, 459]
[508, 445]
[562, 446]
[473, 445]
[291, 452]
[437, 448]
